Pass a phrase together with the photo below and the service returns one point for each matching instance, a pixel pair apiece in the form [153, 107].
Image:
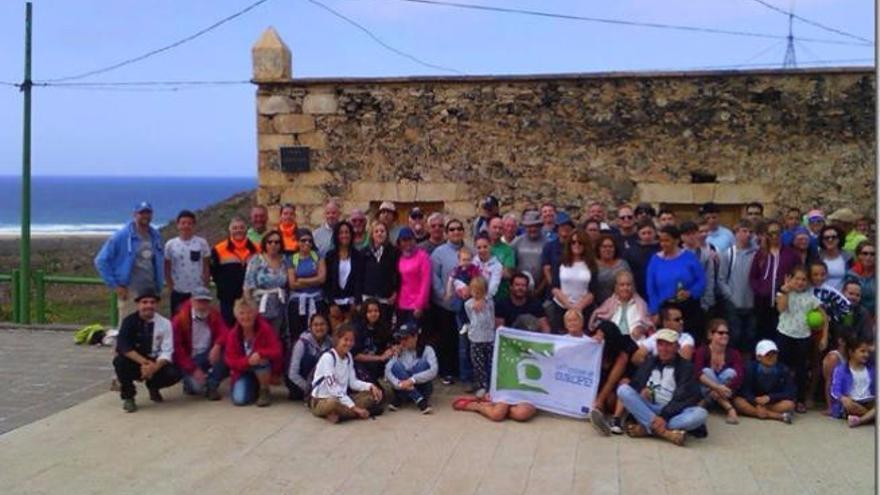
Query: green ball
[815, 319]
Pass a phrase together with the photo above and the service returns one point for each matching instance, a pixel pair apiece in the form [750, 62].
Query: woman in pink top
[414, 266]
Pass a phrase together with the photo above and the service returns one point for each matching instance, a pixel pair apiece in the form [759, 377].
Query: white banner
[555, 373]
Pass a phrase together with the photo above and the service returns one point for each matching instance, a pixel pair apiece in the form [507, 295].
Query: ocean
[97, 205]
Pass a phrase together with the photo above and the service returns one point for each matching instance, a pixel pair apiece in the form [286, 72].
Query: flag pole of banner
[555, 373]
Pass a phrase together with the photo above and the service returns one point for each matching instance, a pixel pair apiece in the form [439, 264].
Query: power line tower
[790, 61]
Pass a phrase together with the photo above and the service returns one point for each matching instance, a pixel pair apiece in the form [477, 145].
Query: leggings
[795, 354]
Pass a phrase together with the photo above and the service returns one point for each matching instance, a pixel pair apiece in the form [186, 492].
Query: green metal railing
[41, 281]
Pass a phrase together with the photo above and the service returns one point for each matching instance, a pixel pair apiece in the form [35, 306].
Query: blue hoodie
[115, 260]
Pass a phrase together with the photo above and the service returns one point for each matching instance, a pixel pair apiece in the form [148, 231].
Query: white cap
[765, 347]
[667, 335]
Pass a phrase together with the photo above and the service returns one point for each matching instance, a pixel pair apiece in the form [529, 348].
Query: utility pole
[790, 62]
[24, 302]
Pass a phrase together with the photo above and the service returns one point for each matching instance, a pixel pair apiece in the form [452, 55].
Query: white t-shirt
[793, 321]
[650, 343]
[836, 271]
[186, 259]
[662, 384]
[861, 385]
[574, 280]
[201, 335]
[344, 271]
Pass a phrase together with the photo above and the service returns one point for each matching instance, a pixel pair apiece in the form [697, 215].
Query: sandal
[462, 403]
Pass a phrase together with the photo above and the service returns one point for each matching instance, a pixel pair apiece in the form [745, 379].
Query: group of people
[358, 317]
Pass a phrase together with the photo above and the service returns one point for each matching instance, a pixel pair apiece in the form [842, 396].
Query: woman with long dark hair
[574, 280]
[345, 271]
[767, 274]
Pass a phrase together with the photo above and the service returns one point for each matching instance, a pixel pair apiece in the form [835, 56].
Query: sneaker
[423, 406]
[395, 403]
[464, 329]
[155, 396]
[212, 393]
[616, 427]
[787, 417]
[448, 380]
[480, 393]
[129, 406]
[264, 399]
[597, 419]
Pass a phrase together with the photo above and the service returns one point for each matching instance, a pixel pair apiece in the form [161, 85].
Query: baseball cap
[667, 335]
[490, 202]
[143, 206]
[765, 347]
[844, 215]
[405, 233]
[201, 294]
[387, 205]
[815, 216]
[563, 218]
[416, 213]
[406, 329]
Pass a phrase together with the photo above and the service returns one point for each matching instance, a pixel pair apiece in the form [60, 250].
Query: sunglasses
[626, 217]
[868, 253]
[306, 239]
[829, 237]
[722, 333]
[273, 241]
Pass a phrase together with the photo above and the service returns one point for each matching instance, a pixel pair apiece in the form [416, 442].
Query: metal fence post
[16, 296]
[114, 310]
[41, 296]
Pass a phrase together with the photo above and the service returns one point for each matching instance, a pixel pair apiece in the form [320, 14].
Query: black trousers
[226, 310]
[128, 372]
[766, 319]
[442, 333]
[795, 353]
[178, 298]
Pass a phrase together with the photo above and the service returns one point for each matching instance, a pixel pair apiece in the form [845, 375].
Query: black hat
[147, 293]
[406, 329]
[709, 207]
[416, 213]
[646, 208]
[490, 202]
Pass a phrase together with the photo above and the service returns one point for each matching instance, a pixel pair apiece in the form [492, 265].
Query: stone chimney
[271, 57]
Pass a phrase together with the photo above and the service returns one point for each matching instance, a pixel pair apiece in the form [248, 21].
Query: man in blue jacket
[131, 262]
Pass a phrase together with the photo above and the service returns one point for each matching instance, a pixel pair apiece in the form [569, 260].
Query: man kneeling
[663, 394]
[199, 336]
[144, 349]
[411, 370]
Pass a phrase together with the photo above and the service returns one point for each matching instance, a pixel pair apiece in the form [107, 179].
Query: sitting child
[767, 392]
[853, 391]
[411, 370]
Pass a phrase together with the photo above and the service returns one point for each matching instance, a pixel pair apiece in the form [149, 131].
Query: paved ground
[188, 444]
[43, 372]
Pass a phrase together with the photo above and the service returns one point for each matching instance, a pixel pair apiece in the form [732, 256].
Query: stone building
[801, 138]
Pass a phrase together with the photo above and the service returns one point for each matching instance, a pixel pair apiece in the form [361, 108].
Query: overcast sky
[211, 131]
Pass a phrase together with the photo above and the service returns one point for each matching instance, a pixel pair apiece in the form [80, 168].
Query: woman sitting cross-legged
[411, 370]
[253, 355]
[719, 369]
[335, 376]
[304, 357]
[768, 390]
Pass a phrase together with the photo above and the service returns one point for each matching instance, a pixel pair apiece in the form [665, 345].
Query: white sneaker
[464, 329]
[480, 393]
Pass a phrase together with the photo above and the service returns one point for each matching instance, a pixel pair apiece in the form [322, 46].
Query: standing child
[853, 390]
[481, 333]
[767, 391]
[794, 300]
[457, 287]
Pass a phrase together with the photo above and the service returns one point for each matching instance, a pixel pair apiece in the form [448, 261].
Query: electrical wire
[142, 83]
[811, 22]
[624, 22]
[762, 52]
[379, 40]
[162, 49]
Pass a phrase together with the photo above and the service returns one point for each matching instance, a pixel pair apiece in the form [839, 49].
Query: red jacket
[265, 342]
[182, 326]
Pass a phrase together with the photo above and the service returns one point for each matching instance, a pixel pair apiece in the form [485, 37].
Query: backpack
[90, 334]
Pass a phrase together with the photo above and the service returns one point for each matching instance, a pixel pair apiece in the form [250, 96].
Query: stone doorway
[403, 209]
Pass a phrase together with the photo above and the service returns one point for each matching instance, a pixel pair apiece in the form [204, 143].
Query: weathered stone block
[320, 103]
[293, 123]
[275, 104]
[302, 195]
[271, 58]
[270, 142]
[316, 140]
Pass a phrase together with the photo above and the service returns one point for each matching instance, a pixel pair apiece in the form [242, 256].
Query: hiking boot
[212, 394]
[616, 426]
[597, 419]
[155, 396]
[264, 399]
[674, 436]
[636, 430]
[129, 406]
[423, 406]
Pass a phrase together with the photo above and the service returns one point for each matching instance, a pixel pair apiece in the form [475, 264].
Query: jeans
[216, 374]
[128, 371]
[465, 368]
[688, 419]
[421, 390]
[723, 378]
[244, 390]
[743, 327]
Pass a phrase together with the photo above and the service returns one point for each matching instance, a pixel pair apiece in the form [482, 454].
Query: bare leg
[854, 408]
[828, 364]
[496, 411]
[522, 412]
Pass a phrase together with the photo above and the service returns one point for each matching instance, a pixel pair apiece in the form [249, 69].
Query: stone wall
[804, 138]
